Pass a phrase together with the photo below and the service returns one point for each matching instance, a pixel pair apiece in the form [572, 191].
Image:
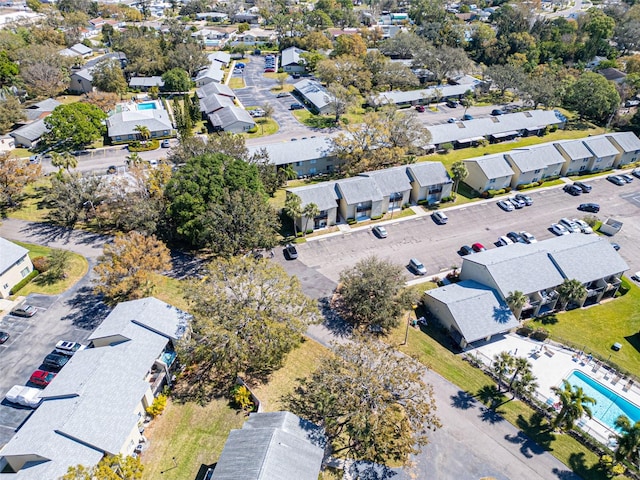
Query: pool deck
[551, 364]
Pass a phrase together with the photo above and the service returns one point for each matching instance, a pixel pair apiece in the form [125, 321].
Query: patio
[551, 364]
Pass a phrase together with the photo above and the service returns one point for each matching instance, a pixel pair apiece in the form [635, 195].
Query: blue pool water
[147, 106]
[610, 405]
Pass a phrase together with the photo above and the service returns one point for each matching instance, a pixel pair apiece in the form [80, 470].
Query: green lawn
[32, 205]
[77, 268]
[236, 82]
[597, 328]
[195, 435]
[266, 126]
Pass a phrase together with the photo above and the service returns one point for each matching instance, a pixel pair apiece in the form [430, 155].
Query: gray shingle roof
[279, 445]
[575, 149]
[213, 72]
[214, 102]
[526, 160]
[477, 310]
[213, 89]
[545, 152]
[600, 146]
[124, 123]
[390, 180]
[84, 73]
[627, 141]
[284, 153]
[227, 116]
[483, 127]
[428, 173]
[493, 166]
[442, 91]
[323, 195]
[291, 56]
[32, 131]
[220, 56]
[155, 81]
[314, 92]
[34, 111]
[357, 190]
[10, 253]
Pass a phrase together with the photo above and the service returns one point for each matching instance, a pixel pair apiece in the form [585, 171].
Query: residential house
[491, 172]
[41, 109]
[29, 135]
[325, 197]
[628, 146]
[231, 119]
[314, 95]
[213, 73]
[613, 75]
[430, 182]
[81, 81]
[274, 445]
[145, 83]
[15, 265]
[577, 156]
[359, 198]
[603, 153]
[308, 157]
[291, 61]
[77, 50]
[394, 184]
[212, 16]
[470, 311]
[221, 57]
[534, 164]
[213, 103]
[122, 125]
[211, 37]
[255, 36]
[96, 404]
[244, 17]
[427, 95]
[215, 89]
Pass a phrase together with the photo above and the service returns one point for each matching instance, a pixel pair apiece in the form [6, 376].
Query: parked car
[257, 113]
[290, 252]
[616, 246]
[570, 225]
[165, 144]
[209, 474]
[440, 217]
[25, 396]
[517, 203]
[572, 190]
[585, 187]
[528, 201]
[417, 267]
[636, 276]
[452, 103]
[584, 226]
[282, 95]
[506, 205]
[616, 180]
[589, 207]
[465, 250]
[270, 70]
[296, 106]
[24, 311]
[558, 229]
[528, 238]
[379, 231]
[515, 237]
[451, 120]
[4, 336]
[626, 177]
[503, 241]
[466, 116]
[478, 247]
[497, 112]
[68, 348]
[240, 65]
[636, 172]
[55, 360]
[111, 169]
[420, 108]
[42, 378]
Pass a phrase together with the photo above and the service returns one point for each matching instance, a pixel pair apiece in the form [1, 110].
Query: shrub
[41, 264]
[242, 398]
[446, 147]
[23, 282]
[507, 189]
[308, 231]
[299, 234]
[553, 128]
[253, 130]
[351, 221]
[423, 202]
[377, 217]
[524, 331]
[157, 407]
[448, 199]
[139, 147]
[405, 206]
[540, 334]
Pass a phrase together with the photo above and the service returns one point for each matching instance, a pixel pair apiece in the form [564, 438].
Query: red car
[42, 378]
[478, 247]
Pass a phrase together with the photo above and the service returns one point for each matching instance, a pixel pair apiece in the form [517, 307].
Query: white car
[440, 217]
[584, 226]
[558, 229]
[504, 241]
[636, 276]
[571, 226]
[528, 238]
[68, 348]
[25, 396]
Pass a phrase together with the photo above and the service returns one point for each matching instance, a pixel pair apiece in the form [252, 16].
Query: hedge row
[23, 282]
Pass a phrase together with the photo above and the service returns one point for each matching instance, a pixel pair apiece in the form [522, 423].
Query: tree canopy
[74, 125]
[593, 97]
[15, 174]
[371, 401]
[176, 80]
[248, 314]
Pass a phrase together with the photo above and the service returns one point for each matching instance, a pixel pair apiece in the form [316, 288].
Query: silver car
[417, 267]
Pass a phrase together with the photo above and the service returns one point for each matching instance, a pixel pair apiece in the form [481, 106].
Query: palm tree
[310, 210]
[522, 378]
[629, 440]
[573, 401]
[503, 364]
[143, 131]
[516, 300]
[65, 160]
[293, 210]
[525, 385]
[134, 158]
[571, 291]
[458, 172]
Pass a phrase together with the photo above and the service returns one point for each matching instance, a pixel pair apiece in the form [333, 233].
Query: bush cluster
[140, 147]
[24, 281]
[41, 264]
[158, 405]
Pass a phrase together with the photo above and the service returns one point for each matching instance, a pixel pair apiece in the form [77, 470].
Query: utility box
[611, 227]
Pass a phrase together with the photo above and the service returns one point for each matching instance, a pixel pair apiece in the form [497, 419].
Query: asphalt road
[322, 259]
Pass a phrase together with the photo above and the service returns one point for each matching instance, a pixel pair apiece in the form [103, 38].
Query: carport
[504, 136]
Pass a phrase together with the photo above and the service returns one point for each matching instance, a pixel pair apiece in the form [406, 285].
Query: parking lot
[321, 260]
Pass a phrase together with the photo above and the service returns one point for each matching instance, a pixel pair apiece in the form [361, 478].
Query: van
[417, 267]
[440, 217]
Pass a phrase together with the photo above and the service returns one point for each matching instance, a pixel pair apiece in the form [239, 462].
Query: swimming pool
[147, 106]
[610, 405]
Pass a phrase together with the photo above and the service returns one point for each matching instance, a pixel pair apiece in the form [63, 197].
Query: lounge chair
[627, 386]
[616, 380]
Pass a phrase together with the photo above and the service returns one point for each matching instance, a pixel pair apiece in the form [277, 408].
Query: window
[298, 164]
[537, 171]
[20, 261]
[5, 286]
[312, 171]
[394, 197]
[363, 207]
[433, 189]
[493, 180]
[313, 161]
[24, 272]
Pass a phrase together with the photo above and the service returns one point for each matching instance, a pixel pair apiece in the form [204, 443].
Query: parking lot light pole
[406, 333]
